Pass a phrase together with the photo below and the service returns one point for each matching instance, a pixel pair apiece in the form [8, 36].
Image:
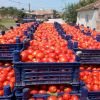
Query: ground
[6, 23]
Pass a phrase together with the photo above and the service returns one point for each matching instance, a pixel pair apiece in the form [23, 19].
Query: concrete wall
[88, 18]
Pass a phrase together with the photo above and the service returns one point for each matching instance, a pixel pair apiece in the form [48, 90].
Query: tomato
[89, 86]
[8, 78]
[1, 63]
[7, 64]
[40, 55]
[30, 51]
[2, 78]
[63, 59]
[1, 85]
[52, 89]
[11, 73]
[35, 53]
[24, 55]
[66, 96]
[74, 97]
[8, 69]
[60, 98]
[43, 87]
[58, 90]
[6, 83]
[52, 98]
[1, 92]
[30, 57]
[95, 88]
[12, 80]
[34, 92]
[67, 90]
[39, 99]
[45, 60]
[42, 92]
[32, 99]
[11, 85]
[82, 68]
[51, 60]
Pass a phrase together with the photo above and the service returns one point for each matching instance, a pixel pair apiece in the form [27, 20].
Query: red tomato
[12, 80]
[60, 98]
[52, 98]
[1, 85]
[52, 89]
[40, 55]
[82, 68]
[68, 90]
[66, 96]
[1, 92]
[6, 83]
[2, 78]
[30, 51]
[24, 55]
[32, 99]
[63, 59]
[1, 63]
[42, 92]
[34, 92]
[74, 97]
[43, 87]
[39, 99]
[95, 88]
[7, 64]
[8, 69]
[8, 78]
[11, 85]
[11, 73]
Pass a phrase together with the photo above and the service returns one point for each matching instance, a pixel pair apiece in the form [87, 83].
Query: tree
[70, 11]
[56, 14]
[11, 11]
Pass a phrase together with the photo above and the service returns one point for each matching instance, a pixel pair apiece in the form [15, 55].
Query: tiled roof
[42, 12]
[91, 6]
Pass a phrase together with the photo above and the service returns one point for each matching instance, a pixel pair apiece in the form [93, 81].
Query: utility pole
[29, 7]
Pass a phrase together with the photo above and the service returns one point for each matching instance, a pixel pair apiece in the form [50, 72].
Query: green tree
[70, 11]
[11, 11]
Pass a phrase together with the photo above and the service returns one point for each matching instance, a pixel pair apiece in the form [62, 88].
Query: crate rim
[77, 49]
[47, 63]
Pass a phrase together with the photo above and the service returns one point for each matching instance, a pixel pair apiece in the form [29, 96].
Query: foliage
[70, 11]
[2, 27]
[11, 11]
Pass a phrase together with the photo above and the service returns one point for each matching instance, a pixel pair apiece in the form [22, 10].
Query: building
[90, 15]
[43, 14]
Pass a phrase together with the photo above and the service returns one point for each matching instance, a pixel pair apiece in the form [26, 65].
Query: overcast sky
[37, 4]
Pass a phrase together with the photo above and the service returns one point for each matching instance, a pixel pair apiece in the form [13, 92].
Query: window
[87, 18]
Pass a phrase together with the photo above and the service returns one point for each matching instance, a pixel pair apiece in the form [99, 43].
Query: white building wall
[88, 18]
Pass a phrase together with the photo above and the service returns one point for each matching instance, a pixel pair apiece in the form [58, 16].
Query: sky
[37, 4]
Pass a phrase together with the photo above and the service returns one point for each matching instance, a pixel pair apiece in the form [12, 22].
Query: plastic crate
[6, 50]
[86, 56]
[10, 47]
[22, 96]
[46, 73]
[10, 97]
[91, 95]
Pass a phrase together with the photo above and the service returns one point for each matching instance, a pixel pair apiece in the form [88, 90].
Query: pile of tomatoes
[84, 42]
[86, 29]
[47, 46]
[7, 76]
[10, 36]
[91, 76]
[53, 90]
